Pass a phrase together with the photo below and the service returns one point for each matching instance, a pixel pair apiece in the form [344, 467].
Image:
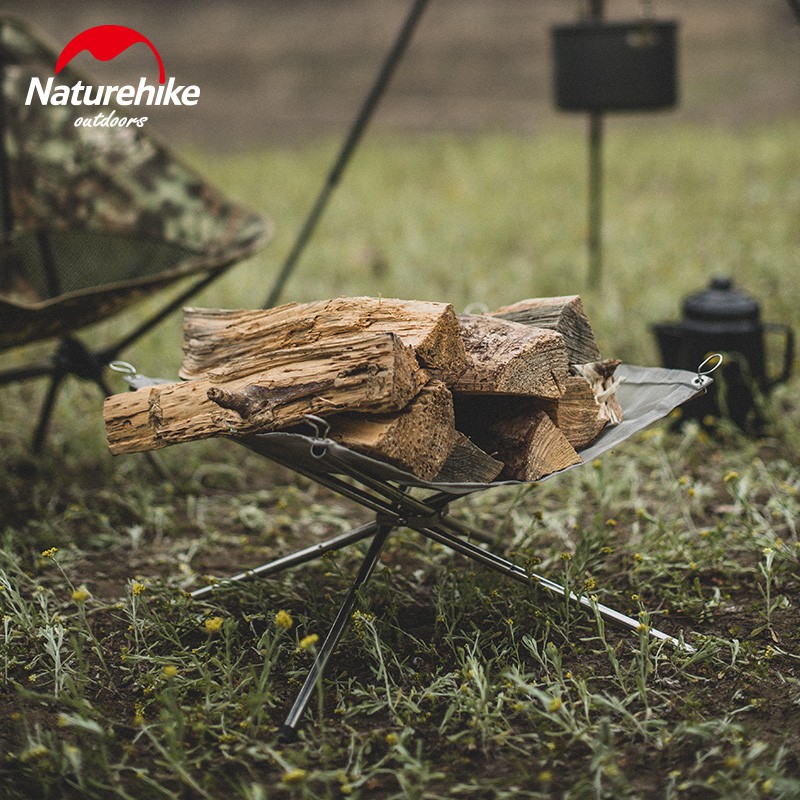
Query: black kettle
[724, 319]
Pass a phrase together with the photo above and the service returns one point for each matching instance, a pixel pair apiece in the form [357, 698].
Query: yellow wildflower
[293, 776]
[80, 595]
[170, 671]
[308, 641]
[137, 588]
[50, 552]
[283, 620]
[392, 739]
[555, 704]
[213, 624]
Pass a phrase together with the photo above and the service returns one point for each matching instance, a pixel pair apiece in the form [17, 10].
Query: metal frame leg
[439, 534]
[294, 559]
[288, 731]
[46, 411]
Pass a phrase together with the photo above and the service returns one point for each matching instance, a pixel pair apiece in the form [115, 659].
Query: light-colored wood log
[372, 372]
[417, 439]
[531, 447]
[467, 463]
[577, 414]
[217, 337]
[508, 358]
[563, 314]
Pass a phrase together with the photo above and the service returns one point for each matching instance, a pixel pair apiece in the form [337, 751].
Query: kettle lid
[721, 302]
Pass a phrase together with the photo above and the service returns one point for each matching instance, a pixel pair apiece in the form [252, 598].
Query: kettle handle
[788, 350]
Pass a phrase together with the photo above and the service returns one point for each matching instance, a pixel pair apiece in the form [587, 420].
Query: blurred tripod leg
[47, 411]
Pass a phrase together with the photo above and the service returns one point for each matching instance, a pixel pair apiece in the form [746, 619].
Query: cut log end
[532, 447]
[418, 439]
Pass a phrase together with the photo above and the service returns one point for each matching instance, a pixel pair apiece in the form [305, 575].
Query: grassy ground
[451, 681]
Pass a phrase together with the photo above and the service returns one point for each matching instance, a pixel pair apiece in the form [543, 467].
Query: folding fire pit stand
[646, 394]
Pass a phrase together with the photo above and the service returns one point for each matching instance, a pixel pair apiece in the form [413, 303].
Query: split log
[214, 337]
[578, 414]
[532, 447]
[372, 372]
[508, 358]
[467, 463]
[417, 439]
[563, 314]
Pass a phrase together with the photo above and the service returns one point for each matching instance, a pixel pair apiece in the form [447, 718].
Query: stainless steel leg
[294, 559]
[288, 731]
[517, 573]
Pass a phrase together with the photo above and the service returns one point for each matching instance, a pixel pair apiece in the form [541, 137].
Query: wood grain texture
[531, 447]
[368, 372]
[564, 314]
[418, 439]
[216, 337]
[508, 358]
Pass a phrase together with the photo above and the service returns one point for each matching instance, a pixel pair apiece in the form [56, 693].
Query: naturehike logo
[105, 42]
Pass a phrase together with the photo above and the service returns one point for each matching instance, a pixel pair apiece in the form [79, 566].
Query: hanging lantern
[616, 66]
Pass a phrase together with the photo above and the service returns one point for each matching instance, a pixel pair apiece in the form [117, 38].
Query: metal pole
[517, 573]
[294, 559]
[595, 232]
[288, 731]
[350, 143]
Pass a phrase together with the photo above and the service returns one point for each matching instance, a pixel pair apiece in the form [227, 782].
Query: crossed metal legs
[438, 528]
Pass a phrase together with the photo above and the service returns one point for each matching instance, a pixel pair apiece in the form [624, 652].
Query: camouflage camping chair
[93, 220]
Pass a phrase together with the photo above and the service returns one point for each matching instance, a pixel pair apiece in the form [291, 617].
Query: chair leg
[288, 731]
[294, 559]
[47, 411]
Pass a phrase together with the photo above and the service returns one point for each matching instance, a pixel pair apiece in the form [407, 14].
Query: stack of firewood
[512, 395]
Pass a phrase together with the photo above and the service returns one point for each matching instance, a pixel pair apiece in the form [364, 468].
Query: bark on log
[532, 447]
[467, 463]
[418, 439]
[508, 358]
[371, 372]
[563, 314]
[215, 337]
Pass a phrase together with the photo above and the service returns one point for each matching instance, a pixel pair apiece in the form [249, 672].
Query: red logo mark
[105, 42]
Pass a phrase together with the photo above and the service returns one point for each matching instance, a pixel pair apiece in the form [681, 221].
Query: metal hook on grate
[706, 368]
[321, 427]
[126, 369]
